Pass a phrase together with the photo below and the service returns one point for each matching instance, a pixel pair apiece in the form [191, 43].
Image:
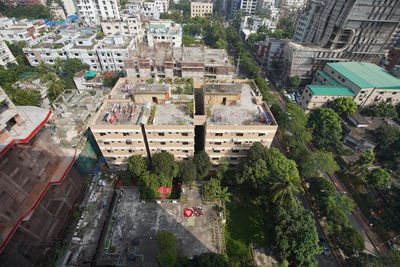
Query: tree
[137, 165]
[295, 236]
[254, 172]
[27, 97]
[203, 164]
[343, 105]
[365, 160]
[281, 167]
[283, 191]
[348, 239]
[187, 171]
[296, 122]
[379, 177]
[110, 81]
[321, 188]
[325, 161]
[294, 82]
[287, 27]
[327, 129]
[188, 40]
[223, 195]
[164, 164]
[166, 242]
[212, 189]
[365, 260]
[388, 148]
[340, 202]
[36, 11]
[205, 260]
[381, 109]
[18, 53]
[55, 86]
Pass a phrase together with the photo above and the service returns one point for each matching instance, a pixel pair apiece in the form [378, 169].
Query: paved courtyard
[139, 221]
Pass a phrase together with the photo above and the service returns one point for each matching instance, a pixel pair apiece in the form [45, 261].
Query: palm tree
[223, 195]
[283, 191]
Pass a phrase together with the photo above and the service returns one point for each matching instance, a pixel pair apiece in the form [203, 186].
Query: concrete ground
[140, 221]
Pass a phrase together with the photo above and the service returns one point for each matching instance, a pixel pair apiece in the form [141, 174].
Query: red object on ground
[188, 212]
[163, 190]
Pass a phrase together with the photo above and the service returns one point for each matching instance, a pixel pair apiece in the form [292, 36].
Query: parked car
[325, 246]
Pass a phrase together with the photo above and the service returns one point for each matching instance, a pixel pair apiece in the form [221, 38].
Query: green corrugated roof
[328, 77]
[330, 90]
[366, 75]
[90, 74]
[155, 26]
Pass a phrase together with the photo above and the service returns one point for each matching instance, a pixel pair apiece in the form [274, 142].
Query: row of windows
[237, 134]
[159, 134]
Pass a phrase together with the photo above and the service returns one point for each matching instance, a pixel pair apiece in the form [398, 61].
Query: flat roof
[224, 88]
[366, 75]
[330, 90]
[244, 112]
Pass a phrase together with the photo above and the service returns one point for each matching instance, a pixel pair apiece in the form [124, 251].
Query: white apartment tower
[95, 11]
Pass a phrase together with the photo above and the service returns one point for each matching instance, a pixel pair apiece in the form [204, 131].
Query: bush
[166, 242]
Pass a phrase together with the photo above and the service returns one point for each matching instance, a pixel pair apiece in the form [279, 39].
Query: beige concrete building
[140, 118]
[365, 83]
[200, 9]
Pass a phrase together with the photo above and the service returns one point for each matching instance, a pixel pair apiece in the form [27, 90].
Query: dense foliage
[166, 242]
[205, 260]
[36, 11]
[381, 109]
[343, 105]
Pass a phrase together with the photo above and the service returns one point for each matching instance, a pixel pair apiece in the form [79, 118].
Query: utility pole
[237, 67]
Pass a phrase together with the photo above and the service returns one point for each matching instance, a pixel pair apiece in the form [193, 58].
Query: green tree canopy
[164, 164]
[343, 105]
[187, 171]
[203, 164]
[381, 109]
[348, 239]
[36, 11]
[295, 236]
[205, 260]
[137, 165]
[294, 82]
[388, 148]
[327, 129]
[379, 177]
[166, 242]
[27, 97]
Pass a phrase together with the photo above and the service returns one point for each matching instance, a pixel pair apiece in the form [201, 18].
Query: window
[162, 143]
[125, 134]
[106, 143]
[129, 142]
[185, 151]
[237, 143]
[235, 151]
[160, 134]
[261, 134]
[233, 158]
[214, 158]
[381, 93]
[185, 134]
[217, 143]
[394, 93]
[185, 143]
[239, 134]
[219, 134]
[217, 151]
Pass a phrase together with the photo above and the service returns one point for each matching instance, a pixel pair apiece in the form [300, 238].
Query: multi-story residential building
[270, 53]
[105, 54]
[94, 11]
[164, 31]
[69, 7]
[38, 184]
[188, 62]
[365, 83]
[248, 7]
[292, 3]
[5, 55]
[341, 30]
[201, 9]
[250, 24]
[13, 30]
[129, 26]
[143, 119]
[57, 11]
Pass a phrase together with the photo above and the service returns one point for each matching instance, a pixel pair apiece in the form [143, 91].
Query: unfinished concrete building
[343, 30]
[38, 184]
[165, 61]
[143, 119]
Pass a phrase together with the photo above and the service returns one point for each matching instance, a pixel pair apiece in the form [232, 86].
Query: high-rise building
[201, 9]
[38, 184]
[95, 11]
[344, 30]
[248, 7]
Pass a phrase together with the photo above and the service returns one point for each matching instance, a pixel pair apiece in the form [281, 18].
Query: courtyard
[135, 224]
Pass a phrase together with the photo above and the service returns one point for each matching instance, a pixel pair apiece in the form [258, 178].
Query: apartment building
[164, 31]
[104, 54]
[6, 56]
[250, 24]
[201, 9]
[341, 30]
[248, 7]
[165, 61]
[94, 11]
[69, 7]
[13, 30]
[39, 185]
[128, 26]
[292, 3]
[365, 83]
[142, 119]
[270, 52]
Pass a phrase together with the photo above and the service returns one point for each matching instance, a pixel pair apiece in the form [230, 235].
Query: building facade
[201, 9]
[39, 185]
[342, 30]
[365, 83]
[129, 26]
[142, 119]
[164, 31]
[248, 7]
[92, 12]
[188, 62]
[6, 56]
